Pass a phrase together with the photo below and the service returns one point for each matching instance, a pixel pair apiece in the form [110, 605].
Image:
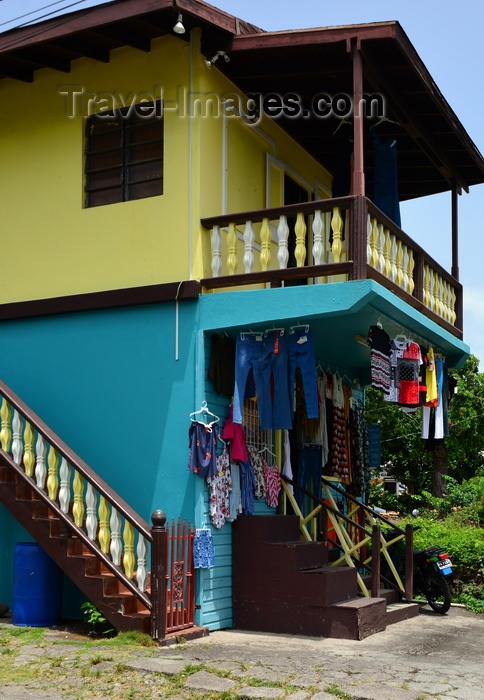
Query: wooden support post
[359, 168]
[455, 231]
[418, 277]
[358, 242]
[158, 575]
[409, 563]
[375, 561]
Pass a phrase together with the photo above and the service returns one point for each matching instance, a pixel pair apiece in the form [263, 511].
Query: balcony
[328, 241]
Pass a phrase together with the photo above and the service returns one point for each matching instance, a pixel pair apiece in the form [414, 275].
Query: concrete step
[397, 612]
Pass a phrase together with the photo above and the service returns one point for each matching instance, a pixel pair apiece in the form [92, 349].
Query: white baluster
[282, 238]
[249, 238]
[40, 468]
[216, 241]
[116, 547]
[17, 446]
[91, 516]
[318, 249]
[65, 485]
[141, 573]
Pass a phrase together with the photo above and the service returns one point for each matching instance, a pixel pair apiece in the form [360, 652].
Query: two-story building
[175, 181]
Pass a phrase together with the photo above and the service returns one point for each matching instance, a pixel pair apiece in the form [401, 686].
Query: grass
[77, 671]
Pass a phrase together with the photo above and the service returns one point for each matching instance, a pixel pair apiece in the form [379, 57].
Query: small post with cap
[158, 575]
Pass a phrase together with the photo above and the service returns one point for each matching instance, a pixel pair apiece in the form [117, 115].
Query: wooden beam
[115, 298]
[44, 59]
[423, 140]
[310, 37]
[80, 21]
[126, 38]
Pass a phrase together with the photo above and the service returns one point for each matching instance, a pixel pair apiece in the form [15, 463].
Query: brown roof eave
[438, 98]
[102, 15]
[311, 37]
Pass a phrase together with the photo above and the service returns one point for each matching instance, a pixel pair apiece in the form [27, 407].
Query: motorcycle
[431, 568]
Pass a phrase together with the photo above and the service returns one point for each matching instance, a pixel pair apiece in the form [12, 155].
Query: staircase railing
[90, 510]
[358, 535]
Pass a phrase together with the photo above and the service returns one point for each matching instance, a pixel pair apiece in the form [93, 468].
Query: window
[124, 155]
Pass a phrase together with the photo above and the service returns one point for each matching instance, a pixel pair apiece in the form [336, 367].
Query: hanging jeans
[267, 356]
[309, 475]
[301, 352]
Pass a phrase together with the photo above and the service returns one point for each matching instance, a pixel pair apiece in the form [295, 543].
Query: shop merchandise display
[411, 375]
[320, 411]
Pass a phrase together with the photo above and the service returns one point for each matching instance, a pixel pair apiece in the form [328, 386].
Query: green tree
[461, 455]
[465, 446]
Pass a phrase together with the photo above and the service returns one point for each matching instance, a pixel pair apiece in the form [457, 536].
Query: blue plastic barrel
[37, 587]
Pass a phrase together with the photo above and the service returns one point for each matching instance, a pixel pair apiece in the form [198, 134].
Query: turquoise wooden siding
[214, 586]
[109, 384]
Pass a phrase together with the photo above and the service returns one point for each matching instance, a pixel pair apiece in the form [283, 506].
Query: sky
[448, 38]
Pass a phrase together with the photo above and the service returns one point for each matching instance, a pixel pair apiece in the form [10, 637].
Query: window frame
[117, 166]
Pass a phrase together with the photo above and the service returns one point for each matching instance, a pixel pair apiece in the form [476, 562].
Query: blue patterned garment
[203, 550]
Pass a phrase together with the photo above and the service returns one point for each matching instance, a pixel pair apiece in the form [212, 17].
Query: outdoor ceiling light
[218, 55]
[179, 28]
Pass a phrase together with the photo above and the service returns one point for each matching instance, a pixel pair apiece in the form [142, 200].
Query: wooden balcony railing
[330, 240]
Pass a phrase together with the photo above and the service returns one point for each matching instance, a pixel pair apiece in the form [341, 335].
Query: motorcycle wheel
[438, 593]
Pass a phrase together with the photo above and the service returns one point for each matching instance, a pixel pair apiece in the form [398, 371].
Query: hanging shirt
[220, 487]
[385, 193]
[287, 467]
[203, 549]
[272, 480]
[380, 349]
[431, 380]
[235, 433]
[202, 440]
[405, 361]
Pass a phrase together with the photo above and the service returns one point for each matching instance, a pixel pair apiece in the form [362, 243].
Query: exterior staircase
[92, 534]
[285, 584]
[114, 600]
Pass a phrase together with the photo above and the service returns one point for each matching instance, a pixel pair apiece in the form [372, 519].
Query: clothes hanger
[274, 330]
[204, 411]
[266, 449]
[244, 333]
[303, 325]
[342, 122]
[384, 120]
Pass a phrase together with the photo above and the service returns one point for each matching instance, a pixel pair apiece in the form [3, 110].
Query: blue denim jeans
[301, 352]
[267, 356]
[310, 471]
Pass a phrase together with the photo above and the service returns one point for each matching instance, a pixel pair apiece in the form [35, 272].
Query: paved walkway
[430, 656]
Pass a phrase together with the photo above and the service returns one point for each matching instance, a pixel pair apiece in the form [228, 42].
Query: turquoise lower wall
[107, 382]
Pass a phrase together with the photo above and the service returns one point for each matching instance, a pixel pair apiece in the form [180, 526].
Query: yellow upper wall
[51, 245]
